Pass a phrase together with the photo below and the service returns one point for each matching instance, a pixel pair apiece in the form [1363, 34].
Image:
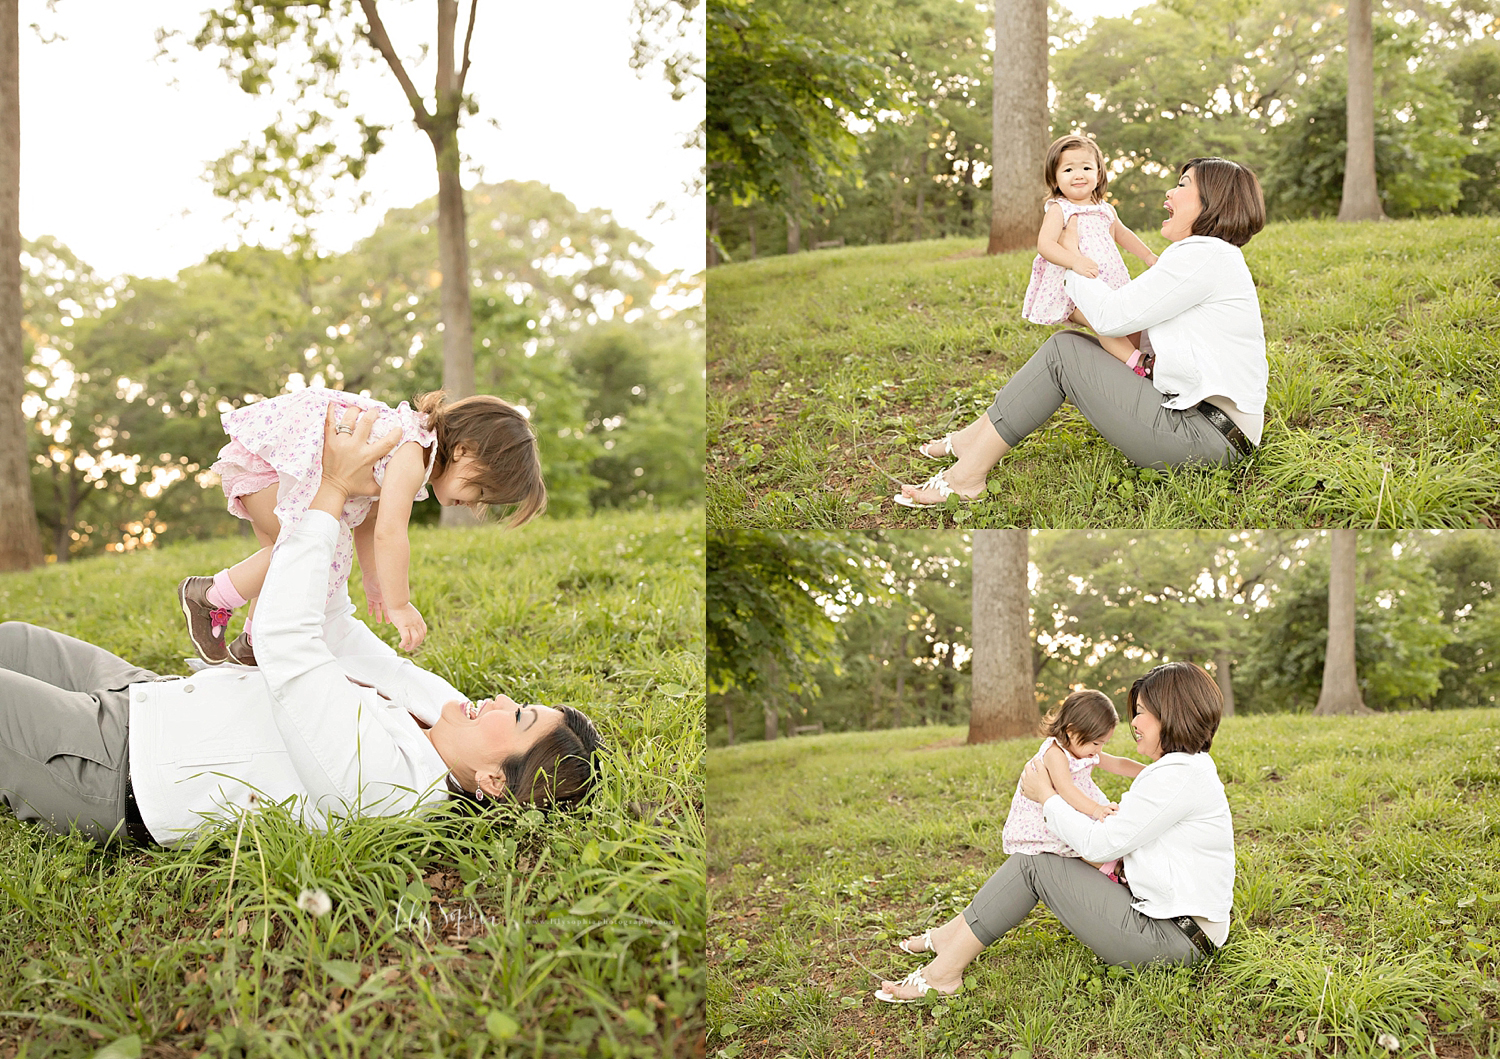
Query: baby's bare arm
[403, 477]
[1055, 760]
[1048, 246]
[1129, 241]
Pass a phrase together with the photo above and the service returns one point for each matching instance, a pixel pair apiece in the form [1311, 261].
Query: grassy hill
[1367, 899]
[827, 369]
[517, 933]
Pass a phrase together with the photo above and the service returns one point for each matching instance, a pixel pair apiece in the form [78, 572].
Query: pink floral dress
[1026, 829]
[1046, 300]
[279, 441]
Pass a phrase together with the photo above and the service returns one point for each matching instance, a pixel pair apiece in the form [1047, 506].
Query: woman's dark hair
[1185, 700]
[500, 438]
[1234, 208]
[557, 770]
[1054, 159]
[1084, 716]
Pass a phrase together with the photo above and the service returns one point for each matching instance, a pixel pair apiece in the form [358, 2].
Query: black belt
[135, 827]
[1189, 926]
[1224, 425]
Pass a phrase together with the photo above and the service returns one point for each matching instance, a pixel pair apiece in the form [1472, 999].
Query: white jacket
[1200, 310]
[1174, 831]
[230, 737]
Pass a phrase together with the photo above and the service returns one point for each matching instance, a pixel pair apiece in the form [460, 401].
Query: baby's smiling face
[1078, 174]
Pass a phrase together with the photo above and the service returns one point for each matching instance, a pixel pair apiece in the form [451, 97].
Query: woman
[332, 721]
[1197, 314]
[1172, 829]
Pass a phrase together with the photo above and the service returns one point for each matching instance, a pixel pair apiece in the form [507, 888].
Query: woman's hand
[410, 624]
[348, 456]
[1035, 783]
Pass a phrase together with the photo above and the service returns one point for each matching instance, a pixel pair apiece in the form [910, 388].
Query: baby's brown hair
[1084, 716]
[500, 438]
[1054, 159]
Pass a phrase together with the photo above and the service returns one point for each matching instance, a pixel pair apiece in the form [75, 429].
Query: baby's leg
[1119, 348]
[248, 576]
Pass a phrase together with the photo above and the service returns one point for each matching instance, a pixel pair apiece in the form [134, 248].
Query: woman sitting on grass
[333, 720]
[1194, 315]
[1172, 828]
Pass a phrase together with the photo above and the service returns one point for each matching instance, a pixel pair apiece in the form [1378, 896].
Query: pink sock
[246, 630]
[222, 593]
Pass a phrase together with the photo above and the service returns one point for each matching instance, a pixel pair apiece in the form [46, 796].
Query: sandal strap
[917, 980]
[938, 483]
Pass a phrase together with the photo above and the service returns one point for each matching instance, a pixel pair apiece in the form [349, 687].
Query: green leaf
[640, 1022]
[127, 1047]
[501, 1026]
[345, 972]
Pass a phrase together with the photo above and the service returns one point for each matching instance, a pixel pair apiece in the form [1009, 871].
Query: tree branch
[463, 71]
[382, 42]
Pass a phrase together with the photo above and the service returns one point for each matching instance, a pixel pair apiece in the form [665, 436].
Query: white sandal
[917, 979]
[926, 937]
[944, 490]
[948, 453]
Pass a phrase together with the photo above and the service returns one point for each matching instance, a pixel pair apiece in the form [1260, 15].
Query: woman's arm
[1056, 762]
[1178, 281]
[1120, 766]
[1128, 240]
[1154, 803]
[403, 477]
[1048, 246]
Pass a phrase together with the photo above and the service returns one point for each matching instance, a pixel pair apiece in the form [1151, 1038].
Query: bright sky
[113, 152]
[1091, 9]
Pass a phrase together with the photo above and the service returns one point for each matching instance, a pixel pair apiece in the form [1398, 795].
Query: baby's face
[1089, 749]
[1077, 173]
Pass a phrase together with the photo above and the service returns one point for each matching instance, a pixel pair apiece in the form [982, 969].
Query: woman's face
[1077, 173]
[1183, 207]
[1146, 729]
[474, 737]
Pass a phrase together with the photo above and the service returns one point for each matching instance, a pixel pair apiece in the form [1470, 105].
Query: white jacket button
[187, 687]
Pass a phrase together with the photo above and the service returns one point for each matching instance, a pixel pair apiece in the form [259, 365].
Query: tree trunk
[921, 198]
[1020, 123]
[1222, 662]
[769, 706]
[1340, 693]
[729, 721]
[1361, 199]
[712, 256]
[20, 541]
[903, 662]
[793, 234]
[1004, 694]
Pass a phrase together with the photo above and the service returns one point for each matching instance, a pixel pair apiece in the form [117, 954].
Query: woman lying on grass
[1172, 829]
[333, 719]
[1195, 312]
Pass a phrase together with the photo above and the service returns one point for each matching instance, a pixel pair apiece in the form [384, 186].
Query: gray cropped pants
[1121, 405]
[64, 724]
[1094, 907]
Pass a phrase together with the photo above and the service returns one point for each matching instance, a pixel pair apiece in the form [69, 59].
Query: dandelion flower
[1389, 1043]
[315, 901]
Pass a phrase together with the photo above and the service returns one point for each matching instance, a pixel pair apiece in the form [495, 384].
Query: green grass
[511, 934]
[827, 369]
[1367, 899]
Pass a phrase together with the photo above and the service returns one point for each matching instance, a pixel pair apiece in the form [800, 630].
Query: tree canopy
[1106, 605]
